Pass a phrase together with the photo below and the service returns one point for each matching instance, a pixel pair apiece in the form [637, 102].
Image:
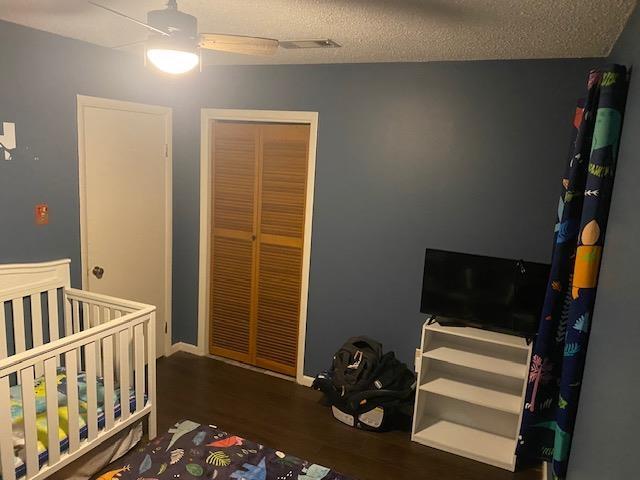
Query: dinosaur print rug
[193, 451]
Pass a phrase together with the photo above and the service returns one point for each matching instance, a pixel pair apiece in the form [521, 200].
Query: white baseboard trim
[306, 380]
[185, 347]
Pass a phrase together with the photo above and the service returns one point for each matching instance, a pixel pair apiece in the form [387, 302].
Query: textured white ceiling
[368, 30]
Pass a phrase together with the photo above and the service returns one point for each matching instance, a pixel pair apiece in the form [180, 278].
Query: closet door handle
[253, 238]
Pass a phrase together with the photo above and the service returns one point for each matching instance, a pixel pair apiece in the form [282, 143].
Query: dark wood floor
[289, 417]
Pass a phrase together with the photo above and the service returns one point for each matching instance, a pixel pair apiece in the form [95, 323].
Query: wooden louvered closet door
[235, 186]
[283, 188]
[255, 305]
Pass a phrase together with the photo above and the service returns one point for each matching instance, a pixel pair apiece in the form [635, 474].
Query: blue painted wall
[605, 441]
[465, 156]
[458, 155]
[40, 76]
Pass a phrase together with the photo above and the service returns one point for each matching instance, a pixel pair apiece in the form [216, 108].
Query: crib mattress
[63, 415]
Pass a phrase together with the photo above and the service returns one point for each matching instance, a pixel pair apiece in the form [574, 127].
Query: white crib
[45, 326]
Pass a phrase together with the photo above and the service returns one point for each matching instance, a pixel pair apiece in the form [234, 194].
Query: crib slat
[68, 325]
[86, 320]
[53, 421]
[138, 350]
[106, 314]
[52, 302]
[131, 358]
[3, 333]
[95, 315]
[92, 396]
[36, 319]
[36, 326]
[29, 412]
[75, 306]
[107, 352]
[6, 436]
[18, 324]
[123, 348]
[75, 321]
[117, 314]
[72, 400]
[98, 357]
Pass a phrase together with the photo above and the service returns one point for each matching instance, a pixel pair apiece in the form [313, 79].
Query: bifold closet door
[234, 199]
[283, 186]
[259, 185]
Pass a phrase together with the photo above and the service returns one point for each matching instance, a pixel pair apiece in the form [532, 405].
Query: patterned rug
[190, 450]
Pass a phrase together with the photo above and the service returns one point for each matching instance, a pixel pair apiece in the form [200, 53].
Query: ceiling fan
[174, 43]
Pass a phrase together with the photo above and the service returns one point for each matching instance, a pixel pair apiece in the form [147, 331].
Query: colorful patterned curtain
[558, 358]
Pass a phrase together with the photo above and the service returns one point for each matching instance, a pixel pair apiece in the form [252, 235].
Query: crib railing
[88, 310]
[99, 335]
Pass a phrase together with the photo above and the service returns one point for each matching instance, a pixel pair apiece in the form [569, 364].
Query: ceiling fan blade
[238, 44]
[134, 20]
[129, 44]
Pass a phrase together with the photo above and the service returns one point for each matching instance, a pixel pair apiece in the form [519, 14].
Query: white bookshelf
[471, 393]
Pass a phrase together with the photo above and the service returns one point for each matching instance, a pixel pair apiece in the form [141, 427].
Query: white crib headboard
[26, 276]
[23, 285]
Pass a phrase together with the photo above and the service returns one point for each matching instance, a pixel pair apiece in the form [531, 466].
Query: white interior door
[126, 190]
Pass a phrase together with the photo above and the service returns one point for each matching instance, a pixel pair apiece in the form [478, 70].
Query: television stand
[470, 395]
[446, 321]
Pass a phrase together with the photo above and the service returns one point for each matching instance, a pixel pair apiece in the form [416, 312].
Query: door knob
[98, 272]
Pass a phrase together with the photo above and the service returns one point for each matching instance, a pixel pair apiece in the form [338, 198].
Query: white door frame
[96, 102]
[208, 115]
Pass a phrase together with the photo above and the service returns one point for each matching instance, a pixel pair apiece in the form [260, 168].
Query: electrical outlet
[41, 214]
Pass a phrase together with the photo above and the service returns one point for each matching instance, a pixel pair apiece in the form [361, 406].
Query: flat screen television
[498, 294]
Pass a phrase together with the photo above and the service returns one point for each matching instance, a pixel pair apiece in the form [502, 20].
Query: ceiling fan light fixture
[174, 45]
[173, 61]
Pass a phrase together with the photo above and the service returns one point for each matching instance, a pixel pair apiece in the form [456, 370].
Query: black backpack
[392, 374]
[355, 364]
[366, 389]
